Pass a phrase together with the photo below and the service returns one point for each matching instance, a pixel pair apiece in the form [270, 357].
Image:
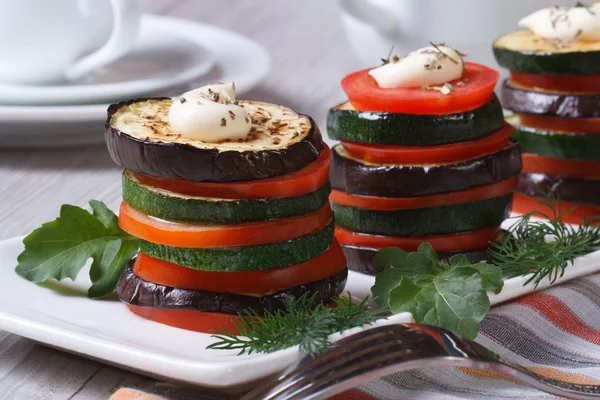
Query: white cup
[373, 26]
[51, 41]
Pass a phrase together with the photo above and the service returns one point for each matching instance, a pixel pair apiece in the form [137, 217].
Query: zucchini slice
[245, 258]
[355, 176]
[139, 138]
[523, 51]
[434, 221]
[570, 146]
[574, 190]
[178, 207]
[345, 123]
[133, 290]
[562, 105]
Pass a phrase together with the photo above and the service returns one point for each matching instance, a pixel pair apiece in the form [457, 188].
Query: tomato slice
[407, 203]
[461, 242]
[524, 204]
[557, 124]
[551, 83]
[191, 320]
[303, 181]
[534, 164]
[366, 95]
[203, 236]
[246, 283]
[406, 155]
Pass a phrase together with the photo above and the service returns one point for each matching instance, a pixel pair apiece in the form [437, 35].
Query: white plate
[60, 315]
[161, 58]
[237, 59]
[107, 331]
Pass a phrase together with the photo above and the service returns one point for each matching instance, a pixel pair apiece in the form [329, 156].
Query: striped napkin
[555, 333]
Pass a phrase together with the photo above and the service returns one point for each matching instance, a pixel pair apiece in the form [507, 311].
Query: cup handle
[126, 22]
[372, 13]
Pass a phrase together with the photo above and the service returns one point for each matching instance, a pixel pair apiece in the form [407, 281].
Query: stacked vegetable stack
[554, 89]
[232, 217]
[425, 156]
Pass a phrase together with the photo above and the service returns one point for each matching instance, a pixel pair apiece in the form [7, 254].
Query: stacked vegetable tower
[230, 199]
[554, 89]
[425, 156]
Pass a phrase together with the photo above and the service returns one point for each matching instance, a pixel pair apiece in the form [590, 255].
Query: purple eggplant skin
[360, 259]
[354, 177]
[181, 161]
[573, 190]
[552, 104]
[133, 290]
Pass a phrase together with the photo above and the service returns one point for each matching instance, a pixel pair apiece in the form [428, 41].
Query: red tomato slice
[524, 204]
[191, 320]
[274, 280]
[557, 124]
[177, 234]
[406, 155]
[406, 203]
[303, 181]
[534, 164]
[366, 95]
[551, 83]
[461, 242]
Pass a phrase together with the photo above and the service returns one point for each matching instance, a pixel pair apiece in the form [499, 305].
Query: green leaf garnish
[304, 323]
[452, 296]
[544, 249]
[61, 248]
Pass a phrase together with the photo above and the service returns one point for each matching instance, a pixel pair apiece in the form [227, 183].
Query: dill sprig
[544, 249]
[303, 323]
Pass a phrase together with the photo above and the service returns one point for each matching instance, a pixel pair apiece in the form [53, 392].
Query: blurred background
[71, 58]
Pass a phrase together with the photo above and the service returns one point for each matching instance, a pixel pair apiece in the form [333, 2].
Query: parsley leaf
[452, 296]
[61, 248]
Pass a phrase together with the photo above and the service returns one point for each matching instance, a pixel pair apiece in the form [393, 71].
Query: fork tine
[309, 364]
[326, 369]
[375, 366]
[399, 340]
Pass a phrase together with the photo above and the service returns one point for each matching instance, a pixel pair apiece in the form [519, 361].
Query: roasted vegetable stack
[226, 227]
[417, 165]
[554, 91]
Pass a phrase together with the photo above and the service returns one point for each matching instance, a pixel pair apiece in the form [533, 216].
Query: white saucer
[162, 58]
[236, 58]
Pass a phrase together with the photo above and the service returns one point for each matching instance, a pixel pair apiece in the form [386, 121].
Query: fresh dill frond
[303, 323]
[547, 247]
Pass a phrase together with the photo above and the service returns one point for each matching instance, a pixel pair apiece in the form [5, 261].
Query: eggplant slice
[360, 259]
[133, 290]
[573, 190]
[139, 138]
[354, 176]
[564, 105]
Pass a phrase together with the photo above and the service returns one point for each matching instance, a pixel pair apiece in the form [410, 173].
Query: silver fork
[384, 350]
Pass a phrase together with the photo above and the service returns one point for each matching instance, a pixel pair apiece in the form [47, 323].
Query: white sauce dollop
[565, 23]
[208, 114]
[424, 67]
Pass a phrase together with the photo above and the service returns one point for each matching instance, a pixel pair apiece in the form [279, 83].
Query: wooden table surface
[309, 57]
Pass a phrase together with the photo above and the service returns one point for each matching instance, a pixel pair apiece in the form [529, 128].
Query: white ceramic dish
[236, 57]
[161, 58]
[60, 315]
